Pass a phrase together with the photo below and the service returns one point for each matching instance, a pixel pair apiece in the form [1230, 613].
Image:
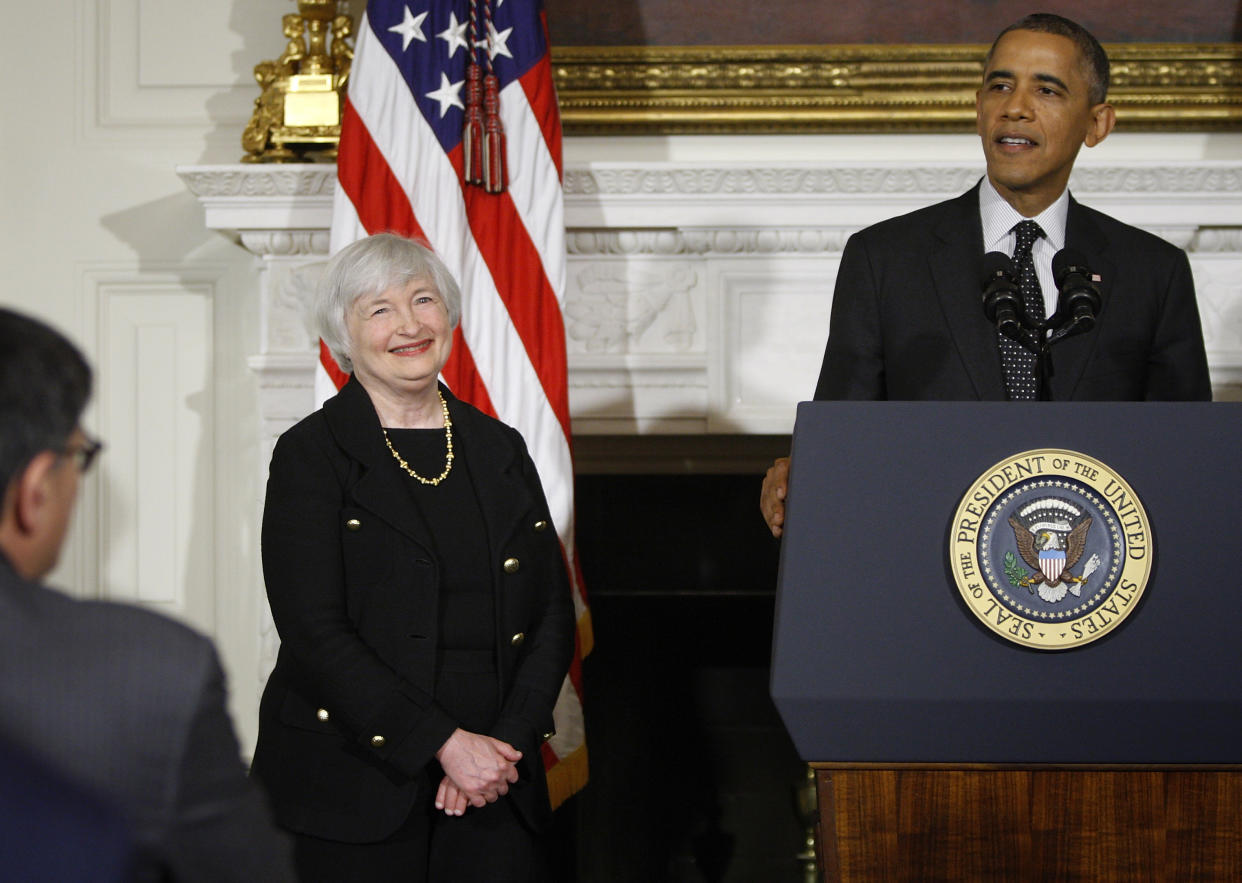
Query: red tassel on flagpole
[494, 137]
[472, 145]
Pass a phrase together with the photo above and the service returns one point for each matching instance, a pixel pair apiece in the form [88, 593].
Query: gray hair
[371, 266]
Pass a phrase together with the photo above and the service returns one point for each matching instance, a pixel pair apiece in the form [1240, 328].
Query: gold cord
[448, 456]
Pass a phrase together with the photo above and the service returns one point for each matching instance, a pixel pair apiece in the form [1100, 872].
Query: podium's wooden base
[990, 823]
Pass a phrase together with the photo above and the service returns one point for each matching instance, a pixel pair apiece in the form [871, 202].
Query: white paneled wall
[155, 407]
[691, 289]
[169, 69]
[104, 98]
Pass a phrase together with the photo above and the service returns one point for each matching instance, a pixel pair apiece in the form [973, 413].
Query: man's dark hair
[44, 385]
[1094, 58]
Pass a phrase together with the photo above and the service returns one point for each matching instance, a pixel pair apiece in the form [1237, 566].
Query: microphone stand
[1043, 364]
[1040, 342]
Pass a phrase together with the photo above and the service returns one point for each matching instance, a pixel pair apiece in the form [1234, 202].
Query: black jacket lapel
[1070, 356]
[495, 467]
[354, 424]
[482, 443]
[956, 265]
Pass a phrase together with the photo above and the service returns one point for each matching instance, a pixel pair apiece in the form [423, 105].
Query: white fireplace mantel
[698, 293]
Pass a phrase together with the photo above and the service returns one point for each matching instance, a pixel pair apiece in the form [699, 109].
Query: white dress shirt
[999, 218]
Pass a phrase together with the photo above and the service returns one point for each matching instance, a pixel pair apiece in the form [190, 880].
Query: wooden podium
[943, 751]
[1038, 823]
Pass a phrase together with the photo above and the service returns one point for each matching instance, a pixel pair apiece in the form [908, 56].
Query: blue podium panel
[877, 658]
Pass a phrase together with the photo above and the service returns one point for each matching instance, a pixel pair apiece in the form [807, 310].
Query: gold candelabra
[297, 116]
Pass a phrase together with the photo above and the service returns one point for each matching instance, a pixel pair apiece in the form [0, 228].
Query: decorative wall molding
[619, 306]
[288, 328]
[285, 242]
[1218, 239]
[667, 179]
[616, 196]
[264, 198]
[852, 195]
[698, 294]
[251, 181]
[1218, 286]
[1222, 177]
[731, 178]
[800, 240]
[929, 179]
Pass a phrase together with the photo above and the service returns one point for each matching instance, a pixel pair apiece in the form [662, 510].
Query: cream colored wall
[99, 236]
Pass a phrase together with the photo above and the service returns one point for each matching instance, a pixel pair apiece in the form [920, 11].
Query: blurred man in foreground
[127, 703]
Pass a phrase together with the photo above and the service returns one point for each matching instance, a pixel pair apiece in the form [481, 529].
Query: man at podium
[908, 313]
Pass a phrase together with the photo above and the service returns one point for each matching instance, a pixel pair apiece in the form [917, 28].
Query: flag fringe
[494, 172]
[569, 776]
[586, 633]
[472, 143]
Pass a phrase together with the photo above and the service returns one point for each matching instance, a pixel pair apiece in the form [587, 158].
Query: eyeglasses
[84, 454]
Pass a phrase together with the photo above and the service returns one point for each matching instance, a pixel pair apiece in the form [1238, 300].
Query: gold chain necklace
[448, 456]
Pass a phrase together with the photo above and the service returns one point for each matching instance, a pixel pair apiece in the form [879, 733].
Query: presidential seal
[1051, 549]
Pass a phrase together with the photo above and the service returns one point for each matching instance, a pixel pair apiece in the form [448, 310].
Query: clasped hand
[477, 771]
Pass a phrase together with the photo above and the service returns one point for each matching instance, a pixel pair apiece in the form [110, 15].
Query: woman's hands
[478, 770]
[450, 798]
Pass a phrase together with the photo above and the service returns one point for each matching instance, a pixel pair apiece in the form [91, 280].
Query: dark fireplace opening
[693, 777]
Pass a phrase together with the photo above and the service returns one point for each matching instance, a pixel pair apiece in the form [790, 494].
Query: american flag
[400, 169]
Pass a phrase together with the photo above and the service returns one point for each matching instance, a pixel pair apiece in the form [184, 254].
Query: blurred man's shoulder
[131, 633]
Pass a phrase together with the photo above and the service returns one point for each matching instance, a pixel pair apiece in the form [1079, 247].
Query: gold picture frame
[632, 90]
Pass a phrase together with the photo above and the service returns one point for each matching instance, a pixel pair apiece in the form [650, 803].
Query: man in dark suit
[127, 703]
[907, 320]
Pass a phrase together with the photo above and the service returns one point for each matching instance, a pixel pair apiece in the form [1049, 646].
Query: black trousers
[488, 845]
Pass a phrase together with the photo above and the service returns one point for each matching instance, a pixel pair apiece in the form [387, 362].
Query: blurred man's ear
[32, 491]
[35, 514]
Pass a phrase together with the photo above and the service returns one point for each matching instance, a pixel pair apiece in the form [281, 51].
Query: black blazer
[348, 722]
[907, 316]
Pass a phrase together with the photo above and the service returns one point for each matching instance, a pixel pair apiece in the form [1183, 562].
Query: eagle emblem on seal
[1051, 534]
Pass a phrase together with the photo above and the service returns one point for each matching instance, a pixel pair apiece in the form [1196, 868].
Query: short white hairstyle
[372, 266]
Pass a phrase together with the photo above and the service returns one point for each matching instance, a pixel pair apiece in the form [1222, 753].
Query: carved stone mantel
[698, 294]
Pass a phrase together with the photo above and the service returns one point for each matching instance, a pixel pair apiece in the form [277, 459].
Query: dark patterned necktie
[1017, 361]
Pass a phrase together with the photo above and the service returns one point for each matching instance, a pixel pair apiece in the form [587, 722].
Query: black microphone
[1002, 301]
[1078, 298]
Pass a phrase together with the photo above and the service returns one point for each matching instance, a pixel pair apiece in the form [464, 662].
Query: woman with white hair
[420, 594]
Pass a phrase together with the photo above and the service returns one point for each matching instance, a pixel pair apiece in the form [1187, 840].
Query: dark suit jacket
[53, 830]
[907, 316]
[131, 705]
[349, 724]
